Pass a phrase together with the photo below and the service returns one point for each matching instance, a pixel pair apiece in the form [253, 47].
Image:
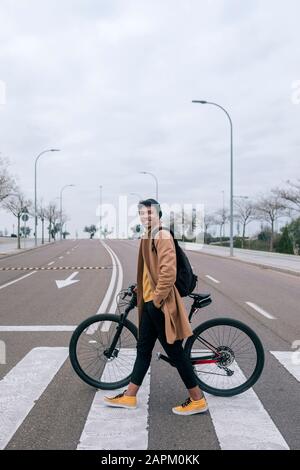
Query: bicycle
[227, 355]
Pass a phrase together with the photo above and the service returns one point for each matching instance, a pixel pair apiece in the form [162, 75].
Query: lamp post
[223, 214]
[61, 191]
[156, 181]
[231, 167]
[100, 212]
[35, 191]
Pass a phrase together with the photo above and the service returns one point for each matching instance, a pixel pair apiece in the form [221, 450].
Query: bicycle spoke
[236, 361]
[91, 346]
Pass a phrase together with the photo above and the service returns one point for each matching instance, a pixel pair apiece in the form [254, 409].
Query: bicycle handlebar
[129, 291]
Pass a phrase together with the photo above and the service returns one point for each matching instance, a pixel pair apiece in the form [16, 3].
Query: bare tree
[106, 231]
[209, 221]
[290, 196]
[64, 219]
[16, 205]
[244, 213]
[269, 209]
[41, 214]
[92, 229]
[7, 182]
[52, 214]
[221, 217]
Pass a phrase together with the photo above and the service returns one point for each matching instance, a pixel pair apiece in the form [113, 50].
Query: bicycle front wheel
[227, 356]
[102, 351]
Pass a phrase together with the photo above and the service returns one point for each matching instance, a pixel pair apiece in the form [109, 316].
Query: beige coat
[162, 277]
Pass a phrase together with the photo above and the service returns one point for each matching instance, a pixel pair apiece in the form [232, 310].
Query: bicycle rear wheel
[227, 356]
[92, 357]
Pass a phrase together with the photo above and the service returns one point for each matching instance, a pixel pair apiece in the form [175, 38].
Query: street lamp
[148, 173]
[100, 212]
[35, 192]
[231, 167]
[223, 213]
[61, 191]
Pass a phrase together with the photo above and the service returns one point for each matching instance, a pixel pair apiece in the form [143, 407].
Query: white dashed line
[261, 310]
[16, 280]
[212, 279]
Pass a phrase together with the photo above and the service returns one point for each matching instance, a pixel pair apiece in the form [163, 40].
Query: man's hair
[151, 202]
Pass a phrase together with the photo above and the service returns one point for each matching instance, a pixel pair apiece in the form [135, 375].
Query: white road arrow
[68, 281]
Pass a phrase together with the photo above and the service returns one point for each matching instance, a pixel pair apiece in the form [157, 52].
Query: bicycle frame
[197, 304]
[218, 355]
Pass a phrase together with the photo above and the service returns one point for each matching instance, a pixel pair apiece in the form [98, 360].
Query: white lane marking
[113, 306]
[60, 257]
[23, 385]
[212, 279]
[107, 298]
[16, 280]
[68, 252]
[37, 328]
[291, 363]
[242, 423]
[52, 262]
[68, 281]
[109, 428]
[261, 310]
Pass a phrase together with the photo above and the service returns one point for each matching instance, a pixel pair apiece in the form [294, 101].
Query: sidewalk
[281, 262]
[8, 245]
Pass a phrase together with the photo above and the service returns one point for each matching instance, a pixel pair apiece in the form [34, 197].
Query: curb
[22, 250]
[251, 263]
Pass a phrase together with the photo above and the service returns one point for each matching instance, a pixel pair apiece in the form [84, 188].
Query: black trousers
[152, 326]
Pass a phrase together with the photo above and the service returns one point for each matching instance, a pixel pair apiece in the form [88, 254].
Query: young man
[162, 314]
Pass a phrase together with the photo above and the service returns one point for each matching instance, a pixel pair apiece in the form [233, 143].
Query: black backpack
[186, 280]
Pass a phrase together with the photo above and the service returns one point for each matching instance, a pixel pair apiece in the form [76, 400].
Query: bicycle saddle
[199, 296]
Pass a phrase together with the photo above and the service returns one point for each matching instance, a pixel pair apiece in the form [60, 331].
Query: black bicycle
[227, 355]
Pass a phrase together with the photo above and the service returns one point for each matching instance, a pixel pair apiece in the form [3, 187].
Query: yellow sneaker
[121, 401]
[191, 407]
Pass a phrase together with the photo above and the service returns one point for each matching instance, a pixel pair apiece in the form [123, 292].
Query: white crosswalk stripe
[110, 428]
[24, 384]
[290, 360]
[240, 422]
[121, 425]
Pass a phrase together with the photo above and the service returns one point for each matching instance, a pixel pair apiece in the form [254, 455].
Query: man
[162, 314]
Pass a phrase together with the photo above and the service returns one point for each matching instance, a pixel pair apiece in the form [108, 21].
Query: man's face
[149, 216]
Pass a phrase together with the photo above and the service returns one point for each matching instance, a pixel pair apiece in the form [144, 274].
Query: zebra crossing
[240, 422]
[24, 384]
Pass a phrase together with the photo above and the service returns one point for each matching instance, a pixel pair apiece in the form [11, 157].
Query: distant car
[14, 235]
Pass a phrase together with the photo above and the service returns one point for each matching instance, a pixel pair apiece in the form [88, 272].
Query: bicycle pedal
[158, 356]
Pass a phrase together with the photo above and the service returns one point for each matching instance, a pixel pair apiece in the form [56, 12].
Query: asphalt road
[65, 413]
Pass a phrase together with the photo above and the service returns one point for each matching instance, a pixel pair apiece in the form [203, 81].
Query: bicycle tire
[258, 347]
[73, 350]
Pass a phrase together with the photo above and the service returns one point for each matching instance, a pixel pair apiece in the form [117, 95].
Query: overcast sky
[110, 83]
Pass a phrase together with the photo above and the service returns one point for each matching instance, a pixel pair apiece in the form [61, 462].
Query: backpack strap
[153, 233]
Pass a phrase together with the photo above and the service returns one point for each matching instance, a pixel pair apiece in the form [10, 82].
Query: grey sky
[110, 83]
